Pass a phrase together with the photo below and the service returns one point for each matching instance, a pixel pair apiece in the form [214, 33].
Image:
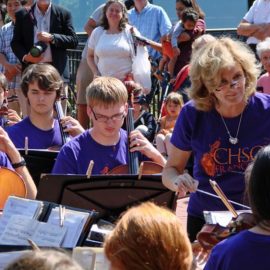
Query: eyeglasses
[234, 83]
[103, 118]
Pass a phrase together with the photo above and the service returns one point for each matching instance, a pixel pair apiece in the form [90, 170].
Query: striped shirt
[6, 35]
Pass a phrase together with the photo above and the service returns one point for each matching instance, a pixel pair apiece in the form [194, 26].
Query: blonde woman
[224, 125]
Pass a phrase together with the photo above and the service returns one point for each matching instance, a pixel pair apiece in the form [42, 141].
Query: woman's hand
[185, 183]
[71, 126]
[139, 143]
[7, 146]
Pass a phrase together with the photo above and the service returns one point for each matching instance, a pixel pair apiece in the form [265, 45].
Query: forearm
[247, 29]
[158, 158]
[169, 176]
[92, 65]
[31, 189]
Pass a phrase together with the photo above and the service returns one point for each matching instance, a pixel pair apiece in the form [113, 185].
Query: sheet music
[7, 257]
[221, 217]
[18, 230]
[74, 222]
[21, 228]
[17, 206]
[47, 235]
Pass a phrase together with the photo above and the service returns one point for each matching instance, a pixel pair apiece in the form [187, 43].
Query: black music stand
[109, 195]
[38, 161]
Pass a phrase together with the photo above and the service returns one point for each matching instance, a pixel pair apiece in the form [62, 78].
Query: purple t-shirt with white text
[37, 138]
[75, 155]
[246, 250]
[215, 158]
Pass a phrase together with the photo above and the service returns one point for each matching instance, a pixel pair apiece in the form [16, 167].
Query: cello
[133, 168]
[11, 183]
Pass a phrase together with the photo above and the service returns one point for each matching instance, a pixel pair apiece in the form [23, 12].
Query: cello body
[11, 183]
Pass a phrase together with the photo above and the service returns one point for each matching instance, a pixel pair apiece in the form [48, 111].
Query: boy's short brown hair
[46, 76]
[106, 91]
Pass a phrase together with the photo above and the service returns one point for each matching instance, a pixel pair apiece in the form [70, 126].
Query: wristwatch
[53, 39]
[19, 164]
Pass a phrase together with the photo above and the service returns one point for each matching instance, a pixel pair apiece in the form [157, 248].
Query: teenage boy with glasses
[106, 143]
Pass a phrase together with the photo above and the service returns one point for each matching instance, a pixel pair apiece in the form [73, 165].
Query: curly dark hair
[124, 20]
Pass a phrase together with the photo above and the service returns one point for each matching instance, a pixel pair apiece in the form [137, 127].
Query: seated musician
[106, 143]
[11, 159]
[8, 117]
[41, 85]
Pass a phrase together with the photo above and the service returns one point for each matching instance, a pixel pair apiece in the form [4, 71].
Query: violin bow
[223, 197]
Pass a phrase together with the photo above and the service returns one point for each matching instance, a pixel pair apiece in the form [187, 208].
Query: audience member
[84, 74]
[8, 117]
[44, 260]
[151, 21]
[41, 85]
[263, 52]
[106, 143]
[214, 127]
[148, 237]
[185, 39]
[144, 121]
[110, 47]
[255, 24]
[10, 64]
[249, 248]
[173, 104]
[50, 27]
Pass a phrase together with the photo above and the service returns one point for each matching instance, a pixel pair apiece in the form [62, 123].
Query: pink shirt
[264, 81]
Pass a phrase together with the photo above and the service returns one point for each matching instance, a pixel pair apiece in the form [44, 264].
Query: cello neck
[133, 161]
[60, 115]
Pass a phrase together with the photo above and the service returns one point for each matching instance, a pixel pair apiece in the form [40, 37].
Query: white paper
[19, 206]
[20, 228]
[74, 221]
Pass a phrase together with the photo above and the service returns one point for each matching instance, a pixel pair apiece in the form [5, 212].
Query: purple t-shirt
[215, 157]
[37, 138]
[75, 155]
[4, 161]
[246, 250]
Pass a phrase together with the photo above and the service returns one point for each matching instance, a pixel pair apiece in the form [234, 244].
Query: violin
[147, 167]
[11, 183]
[211, 234]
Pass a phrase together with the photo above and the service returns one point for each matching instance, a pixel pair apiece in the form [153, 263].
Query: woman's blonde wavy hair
[207, 64]
[149, 237]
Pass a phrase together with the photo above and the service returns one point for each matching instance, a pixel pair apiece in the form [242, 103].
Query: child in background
[170, 51]
[8, 117]
[173, 104]
[144, 121]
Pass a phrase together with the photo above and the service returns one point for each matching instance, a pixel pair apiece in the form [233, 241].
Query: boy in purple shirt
[42, 85]
[106, 143]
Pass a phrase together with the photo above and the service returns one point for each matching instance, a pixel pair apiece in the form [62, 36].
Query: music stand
[38, 161]
[109, 195]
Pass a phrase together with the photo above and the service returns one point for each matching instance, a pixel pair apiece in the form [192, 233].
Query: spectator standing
[10, 65]
[256, 23]
[50, 24]
[84, 74]
[263, 52]
[151, 21]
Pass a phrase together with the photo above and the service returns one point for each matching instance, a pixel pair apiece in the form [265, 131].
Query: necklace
[233, 140]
